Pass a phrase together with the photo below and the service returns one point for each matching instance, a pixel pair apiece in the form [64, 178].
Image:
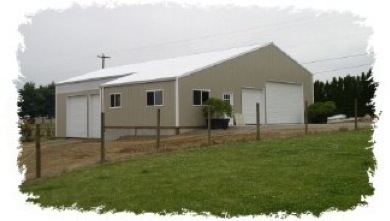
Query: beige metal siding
[134, 111]
[61, 109]
[251, 70]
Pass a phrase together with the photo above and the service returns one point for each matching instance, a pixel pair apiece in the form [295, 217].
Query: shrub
[49, 130]
[319, 112]
[26, 131]
[218, 108]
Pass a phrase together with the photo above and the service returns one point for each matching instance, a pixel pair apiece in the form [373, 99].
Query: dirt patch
[64, 155]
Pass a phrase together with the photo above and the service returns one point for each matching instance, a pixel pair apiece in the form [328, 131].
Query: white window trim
[162, 99]
[231, 97]
[120, 98]
[201, 105]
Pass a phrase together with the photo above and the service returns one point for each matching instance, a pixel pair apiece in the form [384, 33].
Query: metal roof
[165, 69]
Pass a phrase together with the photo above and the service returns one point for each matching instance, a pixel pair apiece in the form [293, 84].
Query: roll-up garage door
[83, 116]
[249, 99]
[76, 116]
[284, 103]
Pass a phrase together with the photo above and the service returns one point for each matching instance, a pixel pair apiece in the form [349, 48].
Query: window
[154, 98]
[228, 97]
[200, 96]
[115, 100]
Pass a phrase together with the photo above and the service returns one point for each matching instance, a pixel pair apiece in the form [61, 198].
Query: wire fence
[44, 156]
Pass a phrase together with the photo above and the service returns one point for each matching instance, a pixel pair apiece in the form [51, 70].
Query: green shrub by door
[319, 112]
[219, 110]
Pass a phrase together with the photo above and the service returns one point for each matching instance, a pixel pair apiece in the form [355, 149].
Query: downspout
[102, 99]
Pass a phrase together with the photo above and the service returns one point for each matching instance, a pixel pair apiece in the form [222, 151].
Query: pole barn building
[130, 94]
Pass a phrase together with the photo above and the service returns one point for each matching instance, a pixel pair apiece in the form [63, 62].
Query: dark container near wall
[218, 123]
[218, 110]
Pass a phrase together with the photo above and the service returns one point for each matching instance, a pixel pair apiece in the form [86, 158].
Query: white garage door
[76, 116]
[94, 116]
[83, 116]
[249, 99]
[284, 103]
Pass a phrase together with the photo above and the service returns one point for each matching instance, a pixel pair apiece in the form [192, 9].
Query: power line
[339, 69]
[273, 25]
[239, 31]
[336, 58]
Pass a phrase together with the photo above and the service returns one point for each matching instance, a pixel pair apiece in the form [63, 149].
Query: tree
[368, 93]
[344, 91]
[36, 102]
[48, 96]
[27, 100]
[319, 91]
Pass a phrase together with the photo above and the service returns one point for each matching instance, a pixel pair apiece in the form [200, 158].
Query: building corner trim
[177, 124]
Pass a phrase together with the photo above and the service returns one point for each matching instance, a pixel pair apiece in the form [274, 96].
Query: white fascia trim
[177, 114]
[139, 82]
[93, 79]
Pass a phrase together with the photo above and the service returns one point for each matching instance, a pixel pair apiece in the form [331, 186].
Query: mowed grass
[303, 174]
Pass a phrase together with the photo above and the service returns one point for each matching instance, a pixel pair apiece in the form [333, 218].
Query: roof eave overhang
[93, 79]
[140, 82]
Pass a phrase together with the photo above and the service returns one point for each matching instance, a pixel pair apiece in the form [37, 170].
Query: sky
[59, 44]
[52, 40]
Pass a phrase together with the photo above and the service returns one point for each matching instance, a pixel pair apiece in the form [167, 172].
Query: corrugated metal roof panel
[163, 69]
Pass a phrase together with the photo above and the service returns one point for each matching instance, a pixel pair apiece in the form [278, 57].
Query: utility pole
[103, 57]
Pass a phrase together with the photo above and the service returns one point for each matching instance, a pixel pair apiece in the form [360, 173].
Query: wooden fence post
[257, 121]
[102, 140]
[356, 110]
[209, 125]
[38, 151]
[306, 113]
[158, 129]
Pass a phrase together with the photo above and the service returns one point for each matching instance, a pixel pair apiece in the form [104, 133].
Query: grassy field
[303, 174]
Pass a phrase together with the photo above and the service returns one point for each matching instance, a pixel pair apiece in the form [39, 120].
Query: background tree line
[343, 92]
[36, 101]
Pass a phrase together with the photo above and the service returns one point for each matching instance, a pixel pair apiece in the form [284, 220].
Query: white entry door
[228, 97]
[249, 99]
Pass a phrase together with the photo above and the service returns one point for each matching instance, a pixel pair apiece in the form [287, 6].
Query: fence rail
[62, 155]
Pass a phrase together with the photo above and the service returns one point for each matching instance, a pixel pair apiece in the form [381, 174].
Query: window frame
[201, 100]
[231, 100]
[120, 100]
[154, 98]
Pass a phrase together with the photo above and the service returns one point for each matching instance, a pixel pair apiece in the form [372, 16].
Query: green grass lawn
[300, 174]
